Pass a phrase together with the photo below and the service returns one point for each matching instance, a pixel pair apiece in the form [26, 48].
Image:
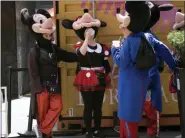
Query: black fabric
[52, 87]
[100, 75]
[150, 85]
[101, 78]
[42, 65]
[93, 102]
[161, 65]
[44, 43]
[145, 58]
[96, 59]
[107, 66]
[174, 81]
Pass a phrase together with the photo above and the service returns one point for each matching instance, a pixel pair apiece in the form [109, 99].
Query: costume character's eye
[39, 18]
[41, 21]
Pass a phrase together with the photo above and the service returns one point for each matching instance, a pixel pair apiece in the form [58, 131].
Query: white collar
[97, 50]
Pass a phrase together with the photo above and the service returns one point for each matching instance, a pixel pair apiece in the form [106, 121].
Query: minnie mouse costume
[133, 82]
[92, 71]
[153, 103]
[46, 98]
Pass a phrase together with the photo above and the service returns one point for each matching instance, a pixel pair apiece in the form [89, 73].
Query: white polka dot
[106, 53]
[88, 74]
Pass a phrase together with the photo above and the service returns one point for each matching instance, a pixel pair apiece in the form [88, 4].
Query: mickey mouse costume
[133, 82]
[42, 65]
[153, 104]
[93, 68]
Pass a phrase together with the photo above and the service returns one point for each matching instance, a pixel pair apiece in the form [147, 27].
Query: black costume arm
[33, 68]
[66, 56]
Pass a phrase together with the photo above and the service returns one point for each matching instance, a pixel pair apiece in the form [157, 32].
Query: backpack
[145, 58]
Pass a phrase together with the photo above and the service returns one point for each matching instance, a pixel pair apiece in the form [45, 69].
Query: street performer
[135, 57]
[153, 103]
[46, 97]
[93, 68]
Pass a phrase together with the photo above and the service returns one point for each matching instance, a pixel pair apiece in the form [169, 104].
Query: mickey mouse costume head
[40, 23]
[82, 23]
[136, 17]
[155, 13]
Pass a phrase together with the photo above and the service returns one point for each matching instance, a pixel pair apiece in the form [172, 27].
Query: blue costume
[154, 74]
[153, 104]
[133, 83]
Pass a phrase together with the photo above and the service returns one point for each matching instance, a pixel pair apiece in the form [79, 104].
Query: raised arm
[88, 35]
[63, 55]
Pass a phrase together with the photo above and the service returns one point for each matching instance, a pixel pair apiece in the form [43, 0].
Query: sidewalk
[20, 111]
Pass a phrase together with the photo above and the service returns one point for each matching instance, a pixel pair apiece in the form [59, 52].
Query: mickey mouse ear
[24, 16]
[44, 12]
[68, 24]
[103, 24]
[165, 7]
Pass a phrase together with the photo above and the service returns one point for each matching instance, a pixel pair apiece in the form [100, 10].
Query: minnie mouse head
[40, 23]
[82, 23]
[155, 13]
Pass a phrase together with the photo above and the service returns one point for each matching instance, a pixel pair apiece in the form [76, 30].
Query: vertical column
[8, 44]
[25, 41]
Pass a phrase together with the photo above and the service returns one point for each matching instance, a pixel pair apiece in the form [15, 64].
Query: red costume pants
[49, 108]
[153, 117]
[128, 129]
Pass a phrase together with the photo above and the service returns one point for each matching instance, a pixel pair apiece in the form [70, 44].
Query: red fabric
[106, 49]
[128, 129]
[49, 109]
[81, 78]
[91, 83]
[78, 45]
[153, 117]
[171, 88]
